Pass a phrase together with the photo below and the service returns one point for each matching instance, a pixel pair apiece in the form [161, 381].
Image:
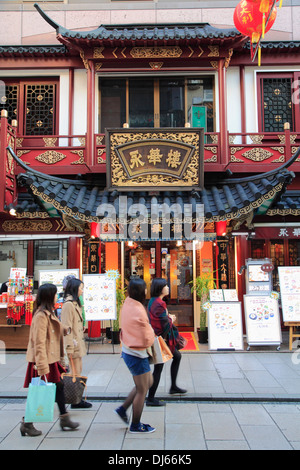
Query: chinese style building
[148, 114]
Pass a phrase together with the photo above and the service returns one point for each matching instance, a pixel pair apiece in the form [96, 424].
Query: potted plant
[120, 297]
[202, 285]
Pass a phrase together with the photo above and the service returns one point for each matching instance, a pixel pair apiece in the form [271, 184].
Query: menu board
[57, 277]
[99, 296]
[225, 326]
[258, 281]
[289, 280]
[262, 320]
[223, 295]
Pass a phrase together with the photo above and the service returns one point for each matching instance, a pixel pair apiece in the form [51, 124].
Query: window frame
[294, 76]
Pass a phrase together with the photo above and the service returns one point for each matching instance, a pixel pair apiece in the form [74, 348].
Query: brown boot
[29, 429]
[65, 422]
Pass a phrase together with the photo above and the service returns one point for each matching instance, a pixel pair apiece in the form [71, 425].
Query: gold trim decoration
[98, 66]
[50, 141]
[97, 53]
[26, 226]
[214, 51]
[50, 157]
[80, 161]
[215, 64]
[154, 52]
[156, 65]
[257, 154]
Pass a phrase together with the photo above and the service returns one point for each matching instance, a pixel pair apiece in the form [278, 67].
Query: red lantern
[249, 17]
[221, 228]
[95, 230]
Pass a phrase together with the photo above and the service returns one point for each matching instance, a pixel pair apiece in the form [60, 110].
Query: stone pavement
[237, 400]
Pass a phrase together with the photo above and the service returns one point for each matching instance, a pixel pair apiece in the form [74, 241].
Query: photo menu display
[289, 280]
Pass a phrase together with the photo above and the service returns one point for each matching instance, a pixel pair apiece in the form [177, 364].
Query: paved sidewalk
[247, 400]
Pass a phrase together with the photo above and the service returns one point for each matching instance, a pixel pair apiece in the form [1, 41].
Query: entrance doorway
[171, 260]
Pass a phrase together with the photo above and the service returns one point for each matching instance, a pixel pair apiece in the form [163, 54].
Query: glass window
[171, 99]
[141, 103]
[200, 102]
[113, 103]
[294, 253]
[277, 257]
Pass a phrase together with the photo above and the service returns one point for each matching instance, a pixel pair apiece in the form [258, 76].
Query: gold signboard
[162, 159]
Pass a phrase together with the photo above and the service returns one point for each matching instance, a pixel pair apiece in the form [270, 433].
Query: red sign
[277, 233]
[267, 267]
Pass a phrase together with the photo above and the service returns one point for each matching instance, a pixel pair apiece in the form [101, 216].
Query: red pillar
[3, 144]
[223, 113]
[74, 253]
[241, 254]
[90, 114]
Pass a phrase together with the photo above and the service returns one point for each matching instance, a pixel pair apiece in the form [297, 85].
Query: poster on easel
[99, 296]
[262, 320]
[56, 277]
[225, 331]
[289, 280]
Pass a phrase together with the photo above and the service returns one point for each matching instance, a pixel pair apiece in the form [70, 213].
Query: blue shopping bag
[40, 402]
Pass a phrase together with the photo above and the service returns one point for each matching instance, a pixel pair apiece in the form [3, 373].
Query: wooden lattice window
[278, 101]
[33, 103]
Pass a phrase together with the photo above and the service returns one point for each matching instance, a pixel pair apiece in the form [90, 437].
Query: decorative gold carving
[228, 59]
[84, 60]
[50, 141]
[257, 154]
[97, 54]
[279, 149]
[26, 226]
[99, 157]
[214, 138]
[20, 153]
[154, 159]
[19, 141]
[98, 66]
[50, 157]
[215, 64]
[201, 51]
[165, 52]
[156, 65]
[82, 141]
[257, 138]
[99, 139]
[214, 51]
[232, 139]
[80, 161]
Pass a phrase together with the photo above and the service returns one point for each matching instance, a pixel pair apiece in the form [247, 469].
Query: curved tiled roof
[225, 200]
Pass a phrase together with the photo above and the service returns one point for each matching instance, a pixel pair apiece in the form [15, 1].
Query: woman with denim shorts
[136, 336]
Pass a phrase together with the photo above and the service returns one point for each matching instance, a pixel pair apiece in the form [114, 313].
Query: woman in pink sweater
[136, 336]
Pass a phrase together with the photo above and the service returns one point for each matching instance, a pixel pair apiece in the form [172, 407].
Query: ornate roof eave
[230, 199]
[147, 34]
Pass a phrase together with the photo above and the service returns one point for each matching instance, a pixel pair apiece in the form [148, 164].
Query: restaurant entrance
[171, 260]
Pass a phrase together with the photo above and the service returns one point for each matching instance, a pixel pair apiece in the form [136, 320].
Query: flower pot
[202, 336]
[115, 337]
[108, 332]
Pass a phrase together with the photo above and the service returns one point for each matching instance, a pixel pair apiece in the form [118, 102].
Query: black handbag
[74, 386]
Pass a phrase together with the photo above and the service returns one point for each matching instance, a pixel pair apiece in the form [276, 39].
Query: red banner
[277, 233]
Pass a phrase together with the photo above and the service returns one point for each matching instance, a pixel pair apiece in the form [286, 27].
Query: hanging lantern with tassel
[250, 18]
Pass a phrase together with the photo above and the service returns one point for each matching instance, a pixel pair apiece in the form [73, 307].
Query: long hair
[45, 298]
[157, 286]
[72, 289]
[136, 289]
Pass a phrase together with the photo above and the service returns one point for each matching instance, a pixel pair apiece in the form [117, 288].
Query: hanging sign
[155, 158]
[99, 296]
[289, 280]
[225, 330]
[262, 320]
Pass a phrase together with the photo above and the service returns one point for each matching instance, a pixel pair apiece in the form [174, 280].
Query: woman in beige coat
[71, 317]
[44, 353]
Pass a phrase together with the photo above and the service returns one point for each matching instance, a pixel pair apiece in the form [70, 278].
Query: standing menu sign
[289, 280]
[225, 326]
[262, 320]
[99, 296]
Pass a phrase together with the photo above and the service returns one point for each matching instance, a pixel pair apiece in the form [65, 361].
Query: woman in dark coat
[162, 324]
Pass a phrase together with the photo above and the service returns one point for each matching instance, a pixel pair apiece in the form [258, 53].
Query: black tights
[158, 370]
[60, 398]
[137, 396]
